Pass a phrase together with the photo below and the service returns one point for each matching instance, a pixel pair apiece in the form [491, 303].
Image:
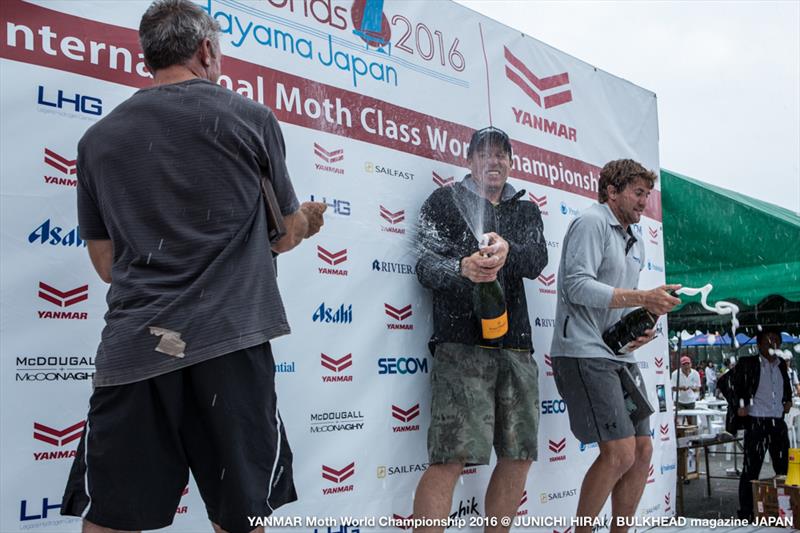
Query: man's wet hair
[621, 173]
[171, 31]
[490, 136]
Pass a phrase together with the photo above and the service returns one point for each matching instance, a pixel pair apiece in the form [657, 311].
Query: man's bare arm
[102, 255]
[657, 300]
[302, 224]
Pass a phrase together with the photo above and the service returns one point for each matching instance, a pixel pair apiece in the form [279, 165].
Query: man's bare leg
[89, 527]
[435, 494]
[505, 490]
[628, 491]
[615, 459]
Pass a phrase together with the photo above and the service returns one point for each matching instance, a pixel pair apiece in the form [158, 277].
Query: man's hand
[313, 213]
[658, 301]
[649, 334]
[786, 407]
[742, 411]
[483, 265]
[497, 249]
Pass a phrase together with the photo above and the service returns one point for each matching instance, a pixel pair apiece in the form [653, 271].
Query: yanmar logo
[667, 502]
[540, 201]
[659, 362]
[403, 522]
[327, 315]
[393, 218]
[557, 447]
[49, 233]
[399, 314]
[63, 299]
[372, 168]
[68, 167]
[336, 366]
[548, 363]
[442, 181]
[328, 158]
[651, 475]
[533, 86]
[338, 477]
[522, 501]
[405, 416]
[664, 431]
[333, 259]
[56, 437]
[547, 281]
[652, 234]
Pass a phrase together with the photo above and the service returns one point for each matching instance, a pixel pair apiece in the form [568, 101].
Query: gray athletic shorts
[592, 390]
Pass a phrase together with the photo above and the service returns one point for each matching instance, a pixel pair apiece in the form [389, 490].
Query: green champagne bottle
[490, 307]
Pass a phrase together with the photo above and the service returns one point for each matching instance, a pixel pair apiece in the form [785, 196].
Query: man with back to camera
[481, 396]
[597, 279]
[759, 394]
[169, 203]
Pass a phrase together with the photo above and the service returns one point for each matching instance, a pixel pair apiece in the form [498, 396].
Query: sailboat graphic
[373, 27]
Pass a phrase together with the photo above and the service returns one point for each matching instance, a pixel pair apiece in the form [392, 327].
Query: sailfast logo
[68, 168]
[336, 367]
[399, 314]
[547, 497]
[374, 168]
[329, 315]
[49, 233]
[338, 476]
[442, 181]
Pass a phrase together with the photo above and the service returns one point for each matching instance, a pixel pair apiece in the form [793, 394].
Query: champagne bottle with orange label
[490, 308]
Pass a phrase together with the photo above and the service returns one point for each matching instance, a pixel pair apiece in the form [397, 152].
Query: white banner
[377, 102]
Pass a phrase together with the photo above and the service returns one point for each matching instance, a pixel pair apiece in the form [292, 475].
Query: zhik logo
[441, 181]
[58, 437]
[63, 299]
[516, 71]
[405, 415]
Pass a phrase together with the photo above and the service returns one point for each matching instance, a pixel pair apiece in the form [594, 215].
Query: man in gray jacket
[598, 279]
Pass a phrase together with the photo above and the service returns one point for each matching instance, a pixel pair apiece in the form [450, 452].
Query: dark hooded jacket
[445, 237]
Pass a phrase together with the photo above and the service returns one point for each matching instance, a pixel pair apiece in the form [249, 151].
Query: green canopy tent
[747, 249]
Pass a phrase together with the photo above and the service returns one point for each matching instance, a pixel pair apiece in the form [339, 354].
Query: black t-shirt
[171, 176]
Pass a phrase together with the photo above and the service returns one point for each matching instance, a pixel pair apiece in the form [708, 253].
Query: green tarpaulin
[748, 249]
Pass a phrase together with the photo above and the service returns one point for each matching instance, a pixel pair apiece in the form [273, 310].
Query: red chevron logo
[63, 299]
[58, 437]
[443, 182]
[336, 365]
[332, 258]
[328, 157]
[548, 360]
[524, 499]
[398, 313]
[393, 218]
[541, 201]
[533, 86]
[557, 446]
[405, 415]
[403, 522]
[653, 232]
[667, 502]
[659, 361]
[664, 429]
[651, 475]
[60, 163]
[337, 476]
[547, 280]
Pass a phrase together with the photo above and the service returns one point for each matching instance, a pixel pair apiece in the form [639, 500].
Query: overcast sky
[727, 77]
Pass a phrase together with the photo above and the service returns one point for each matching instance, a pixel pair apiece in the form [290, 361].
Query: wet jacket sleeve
[438, 264]
[583, 255]
[527, 256]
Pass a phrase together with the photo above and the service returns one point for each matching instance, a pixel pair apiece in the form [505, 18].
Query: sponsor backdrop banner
[377, 102]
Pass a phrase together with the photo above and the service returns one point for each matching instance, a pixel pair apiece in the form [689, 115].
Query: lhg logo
[57, 437]
[63, 299]
[405, 415]
[441, 181]
[333, 156]
[533, 86]
[393, 217]
[338, 476]
[332, 258]
[60, 163]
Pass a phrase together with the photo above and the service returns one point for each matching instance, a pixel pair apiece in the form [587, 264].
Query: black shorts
[218, 418]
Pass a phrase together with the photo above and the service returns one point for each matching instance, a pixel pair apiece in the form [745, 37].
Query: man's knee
[445, 470]
[644, 449]
[619, 454]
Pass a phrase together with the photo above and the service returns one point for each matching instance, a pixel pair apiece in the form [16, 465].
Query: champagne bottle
[490, 308]
[632, 326]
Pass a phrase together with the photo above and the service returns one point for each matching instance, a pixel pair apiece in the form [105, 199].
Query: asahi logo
[541, 201]
[557, 447]
[522, 501]
[333, 421]
[399, 314]
[664, 431]
[388, 267]
[442, 181]
[329, 315]
[58, 437]
[372, 168]
[333, 259]
[63, 299]
[48, 233]
[547, 282]
[394, 218]
[336, 367]
[651, 475]
[405, 416]
[548, 363]
[67, 167]
[338, 476]
[328, 158]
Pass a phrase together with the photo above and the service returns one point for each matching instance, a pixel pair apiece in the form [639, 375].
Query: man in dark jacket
[481, 396]
[759, 394]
